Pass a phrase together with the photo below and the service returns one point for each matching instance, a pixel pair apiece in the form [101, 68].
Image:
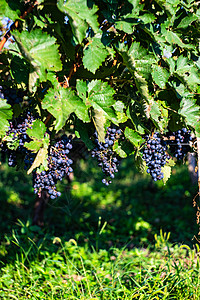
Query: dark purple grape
[105, 155]
[154, 154]
[58, 167]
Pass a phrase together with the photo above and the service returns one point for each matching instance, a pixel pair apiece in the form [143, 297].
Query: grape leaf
[81, 87]
[94, 54]
[125, 25]
[82, 131]
[39, 160]
[20, 69]
[61, 102]
[37, 134]
[5, 115]
[41, 50]
[99, 122]
[80, 16]
[166, 172]
[37, 131]
[100, 93]
[185, 22]
[160, 76]
[11, 10]
[190, 110]
[118, 149]
[133, 137]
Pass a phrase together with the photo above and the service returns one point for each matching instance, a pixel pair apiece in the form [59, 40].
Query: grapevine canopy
[86, 64]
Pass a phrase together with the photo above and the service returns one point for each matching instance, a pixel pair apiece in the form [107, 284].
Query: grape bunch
[59, 165]
[12, 96]
[106, 157]
[155, 156]
[17, 133]
[178, 142]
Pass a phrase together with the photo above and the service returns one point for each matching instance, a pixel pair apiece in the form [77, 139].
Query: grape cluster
[155, 156]
[178, 142]
[106, 157]
[59, 165]
[11, 95]
[17, 132]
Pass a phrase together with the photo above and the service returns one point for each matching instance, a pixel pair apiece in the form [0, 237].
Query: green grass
[100, 242]
[75, 272]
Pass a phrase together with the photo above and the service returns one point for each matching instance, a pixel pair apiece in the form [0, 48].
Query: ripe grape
[12, 95]
[178, 142]
[17, 133]
[106, 157]
[154, 154]
[59, 165]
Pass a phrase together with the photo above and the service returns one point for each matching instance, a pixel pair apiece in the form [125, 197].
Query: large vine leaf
[94, 54]
[81, 16]
[40, 47]
[61, 103]
[41, 51]
[5, 115]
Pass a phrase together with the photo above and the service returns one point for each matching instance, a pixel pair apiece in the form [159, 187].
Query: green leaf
[147, 18]
[37, 131]
[37, 134]
[80, 16]
[94, 54]
[100, 93]
[169, 5]
[99, 122]
[140, 164]
[190, 110]
[39, 160]
[81, 87]
[5, 115]
[173, 38]
[118, 149]
[20, 69]
[125, 25]
[133, 137]
[11, 10]
[160, 76]
[61, 102]
[185, 22]
[40, 49]
[34, 146]
[82, 131]
[137, 59]
[155, 112]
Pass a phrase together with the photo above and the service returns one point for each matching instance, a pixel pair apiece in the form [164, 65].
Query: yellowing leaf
[41, 156]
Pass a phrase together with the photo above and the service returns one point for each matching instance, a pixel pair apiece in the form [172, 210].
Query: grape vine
[130, 69]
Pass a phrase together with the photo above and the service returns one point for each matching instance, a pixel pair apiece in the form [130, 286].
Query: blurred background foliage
[127, 213]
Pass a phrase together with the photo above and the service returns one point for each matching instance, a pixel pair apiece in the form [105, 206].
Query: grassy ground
[131, 240]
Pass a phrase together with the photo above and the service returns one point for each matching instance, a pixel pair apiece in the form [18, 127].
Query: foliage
[131, 63]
